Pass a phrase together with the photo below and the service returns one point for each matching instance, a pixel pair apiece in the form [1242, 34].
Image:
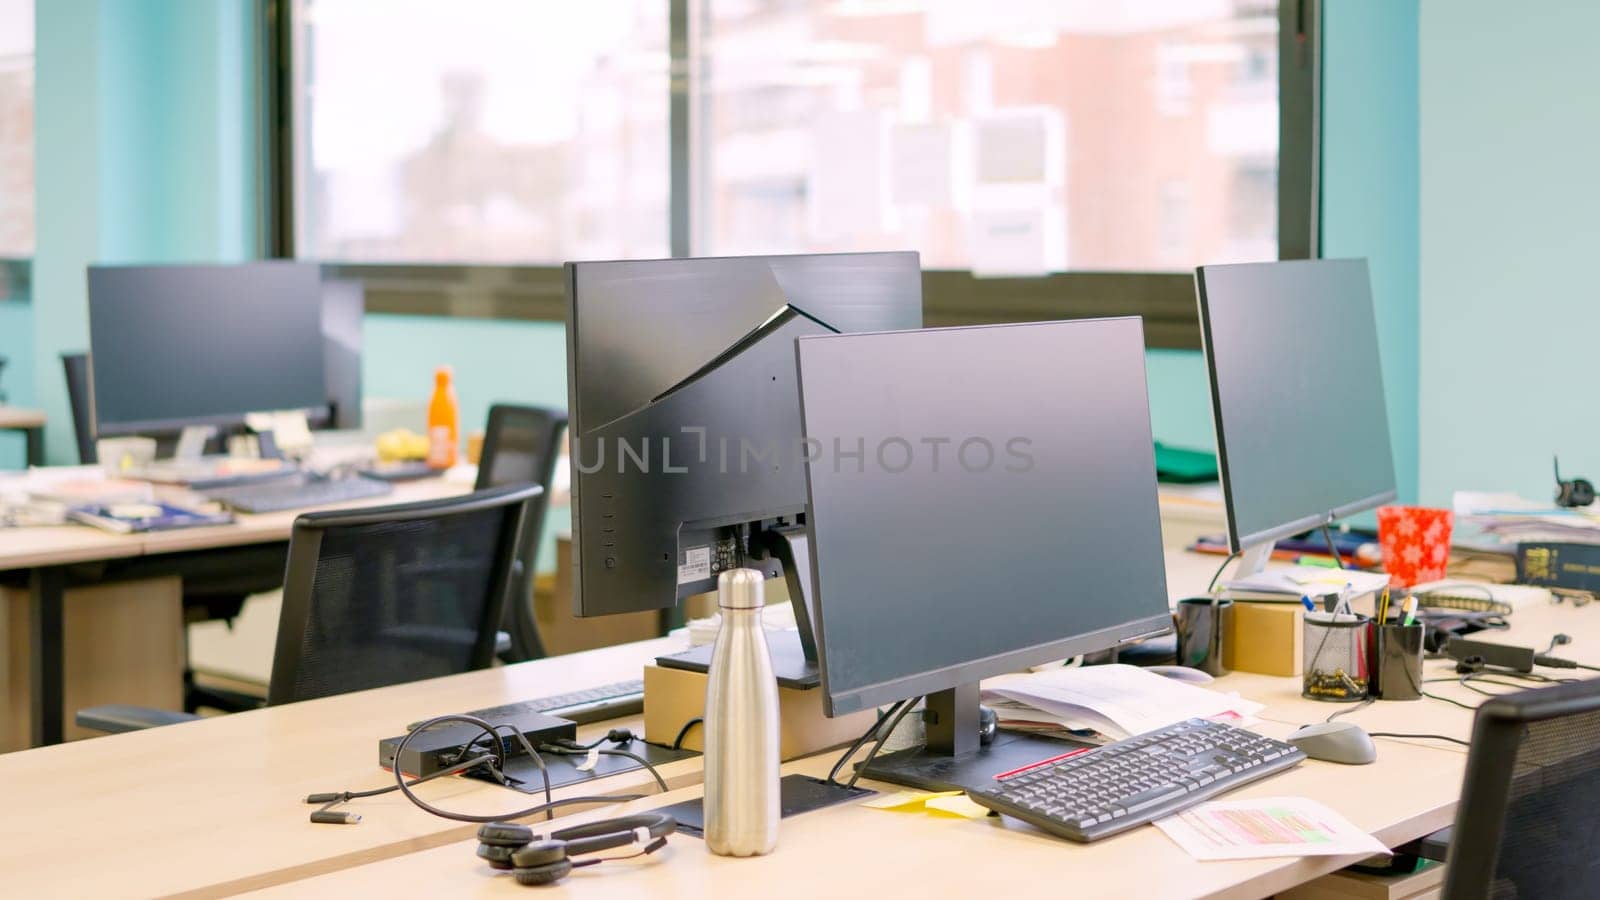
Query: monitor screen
[981, 499]
[172, 346]
[1297, 394]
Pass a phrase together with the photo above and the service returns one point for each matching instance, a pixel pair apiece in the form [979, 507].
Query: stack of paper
[1110, 702]
[1511, 519]
[1294, 581]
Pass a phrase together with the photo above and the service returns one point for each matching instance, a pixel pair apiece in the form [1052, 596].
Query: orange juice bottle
[444, 420]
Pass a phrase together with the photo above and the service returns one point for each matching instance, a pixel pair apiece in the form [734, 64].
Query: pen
[1411, 611]
[1305, 600]
[1383, 607]
[1344, 600]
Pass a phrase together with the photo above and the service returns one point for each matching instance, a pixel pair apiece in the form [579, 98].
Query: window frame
[950, 296]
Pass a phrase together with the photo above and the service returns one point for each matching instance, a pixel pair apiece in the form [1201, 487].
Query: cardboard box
[1266, 638]
[675, 696]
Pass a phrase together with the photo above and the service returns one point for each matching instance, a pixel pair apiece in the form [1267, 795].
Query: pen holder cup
[1202, 626]
[1397, 672]
[1338, 659]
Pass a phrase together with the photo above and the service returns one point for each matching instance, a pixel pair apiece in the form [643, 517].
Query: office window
[16, 131]
[480, 130]
[1007, 136]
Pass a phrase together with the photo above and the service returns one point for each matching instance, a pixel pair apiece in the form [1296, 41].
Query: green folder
[1181, 466]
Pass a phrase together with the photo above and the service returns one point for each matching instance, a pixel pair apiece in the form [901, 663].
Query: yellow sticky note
[908, 801]
[959, 805]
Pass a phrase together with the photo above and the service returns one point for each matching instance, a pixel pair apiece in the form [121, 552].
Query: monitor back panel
[685, 415]
[981, 499]
[1297, 394]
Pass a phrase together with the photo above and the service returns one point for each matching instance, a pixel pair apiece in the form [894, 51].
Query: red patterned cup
[1415, 542]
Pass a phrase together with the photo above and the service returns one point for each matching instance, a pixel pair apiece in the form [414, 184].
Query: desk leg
[45, 621]
[35, 454]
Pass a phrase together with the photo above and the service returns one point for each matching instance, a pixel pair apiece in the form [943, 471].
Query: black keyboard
[608, 701]
[1149, 776]
[297, 493]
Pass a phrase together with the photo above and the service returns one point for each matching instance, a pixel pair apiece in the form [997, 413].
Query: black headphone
[1577, 492]
[537, 861]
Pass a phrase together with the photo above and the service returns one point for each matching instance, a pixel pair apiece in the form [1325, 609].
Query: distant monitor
[1297, 395]
[685, 422]
[983, 500]
[344, 306]
[174, 346]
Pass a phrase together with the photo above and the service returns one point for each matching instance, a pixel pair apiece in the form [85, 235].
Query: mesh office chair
[381, 596]
[214, 587]
[520, 446]
[1529, 820]
[76, 366]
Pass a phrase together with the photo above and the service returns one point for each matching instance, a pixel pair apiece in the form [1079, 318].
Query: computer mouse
[988, 725]
[1340, 742]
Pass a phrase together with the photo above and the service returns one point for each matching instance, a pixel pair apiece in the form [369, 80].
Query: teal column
[1370, 191]
[67, 145]
[145, 139]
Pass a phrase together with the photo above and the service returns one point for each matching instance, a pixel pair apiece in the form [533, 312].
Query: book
[1559, 564]
[131, 518]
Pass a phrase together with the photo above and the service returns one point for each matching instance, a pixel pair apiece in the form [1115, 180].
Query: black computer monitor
[685, 423]
[182, 345]
[344, 307]
[1297, 395]
[984, 499]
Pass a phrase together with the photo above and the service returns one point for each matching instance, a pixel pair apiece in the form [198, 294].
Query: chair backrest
[1529, 820]
[385, 595]
[520, 446]
[76, 366]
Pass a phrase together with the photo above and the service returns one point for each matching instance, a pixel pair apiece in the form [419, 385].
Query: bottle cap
[741, 589]
[443, 374]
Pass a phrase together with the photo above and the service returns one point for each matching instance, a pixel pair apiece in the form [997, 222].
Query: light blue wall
[494, 361]
[1180, 399]
[16, 345]
[1509, 139]
[1369, 187]
[144, 137]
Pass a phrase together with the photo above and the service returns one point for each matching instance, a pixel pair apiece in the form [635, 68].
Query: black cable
[334, 799]
[1350, 709]
[1218, 574]
[1431, 737]
[882, 739]
[677, 742]
[548, 806]
[833, 774]
[1466, 706]
[1333, 548]
[615, 736]
[572, 751]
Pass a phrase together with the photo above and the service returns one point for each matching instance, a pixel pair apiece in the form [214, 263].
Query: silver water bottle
[741, 722]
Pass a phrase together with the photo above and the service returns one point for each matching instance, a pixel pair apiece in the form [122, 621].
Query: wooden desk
[214, 807]
[218, 802]
[46, 554]
[31, 423]
[853, 851]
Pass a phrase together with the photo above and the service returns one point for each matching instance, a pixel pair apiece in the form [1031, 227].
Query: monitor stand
[794, 655]
[953, 758]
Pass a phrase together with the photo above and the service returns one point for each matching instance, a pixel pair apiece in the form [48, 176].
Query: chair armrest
[115, 718]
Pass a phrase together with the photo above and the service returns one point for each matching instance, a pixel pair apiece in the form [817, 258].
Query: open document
[1113, 702]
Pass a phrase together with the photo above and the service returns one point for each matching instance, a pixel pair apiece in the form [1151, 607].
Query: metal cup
[1201, 623]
